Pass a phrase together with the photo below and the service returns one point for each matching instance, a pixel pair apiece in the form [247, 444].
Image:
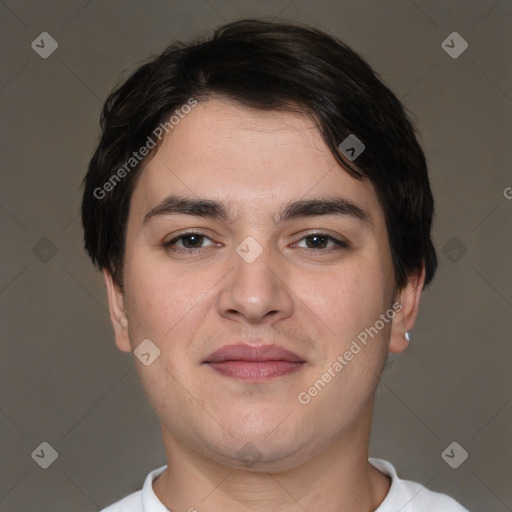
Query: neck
[337, 479]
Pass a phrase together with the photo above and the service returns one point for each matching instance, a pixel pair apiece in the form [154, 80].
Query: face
[289, 254]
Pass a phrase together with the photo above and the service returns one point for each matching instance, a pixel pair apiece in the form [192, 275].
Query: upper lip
[243, 352]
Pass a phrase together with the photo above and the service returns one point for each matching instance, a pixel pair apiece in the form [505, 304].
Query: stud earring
[407, 336]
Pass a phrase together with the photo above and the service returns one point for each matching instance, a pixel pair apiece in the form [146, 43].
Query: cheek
[163, 301]
[348, 298]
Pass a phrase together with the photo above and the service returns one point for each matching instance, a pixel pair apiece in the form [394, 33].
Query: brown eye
[317, 241]
[188, 242]
[192, 241]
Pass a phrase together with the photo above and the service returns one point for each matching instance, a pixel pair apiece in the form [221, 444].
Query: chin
[261, 447]
[259, 456]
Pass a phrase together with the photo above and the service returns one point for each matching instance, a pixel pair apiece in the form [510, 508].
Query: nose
[255, 291]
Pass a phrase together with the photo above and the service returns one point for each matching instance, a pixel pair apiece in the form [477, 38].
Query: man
[261, 210]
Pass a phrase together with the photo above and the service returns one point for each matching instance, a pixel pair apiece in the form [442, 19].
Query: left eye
[321, 241]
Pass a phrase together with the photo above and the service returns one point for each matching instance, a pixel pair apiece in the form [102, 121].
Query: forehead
[250, 159]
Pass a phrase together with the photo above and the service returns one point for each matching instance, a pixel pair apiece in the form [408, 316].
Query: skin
[312, 301]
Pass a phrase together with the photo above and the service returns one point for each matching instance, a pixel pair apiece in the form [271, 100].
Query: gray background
[62, 379]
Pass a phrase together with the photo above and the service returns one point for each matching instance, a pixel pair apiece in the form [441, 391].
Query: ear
[404, 319]
[117, 313]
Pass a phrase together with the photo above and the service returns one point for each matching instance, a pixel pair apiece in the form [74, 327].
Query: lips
[254, 363]
[261, 353]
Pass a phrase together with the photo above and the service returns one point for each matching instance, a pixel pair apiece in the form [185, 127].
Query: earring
[407, 336]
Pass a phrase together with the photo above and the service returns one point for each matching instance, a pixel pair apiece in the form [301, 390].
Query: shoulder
[408, 496]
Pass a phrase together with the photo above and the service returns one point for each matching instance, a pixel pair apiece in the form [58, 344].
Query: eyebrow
[207, 208]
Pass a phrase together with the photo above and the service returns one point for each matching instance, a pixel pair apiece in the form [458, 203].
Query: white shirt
[403, 496]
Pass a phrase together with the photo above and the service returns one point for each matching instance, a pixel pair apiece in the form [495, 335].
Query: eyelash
[340, 244]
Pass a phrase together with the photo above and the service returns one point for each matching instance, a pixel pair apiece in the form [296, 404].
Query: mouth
[259, 363]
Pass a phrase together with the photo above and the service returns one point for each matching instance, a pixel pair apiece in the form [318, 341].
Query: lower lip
[255, 370]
